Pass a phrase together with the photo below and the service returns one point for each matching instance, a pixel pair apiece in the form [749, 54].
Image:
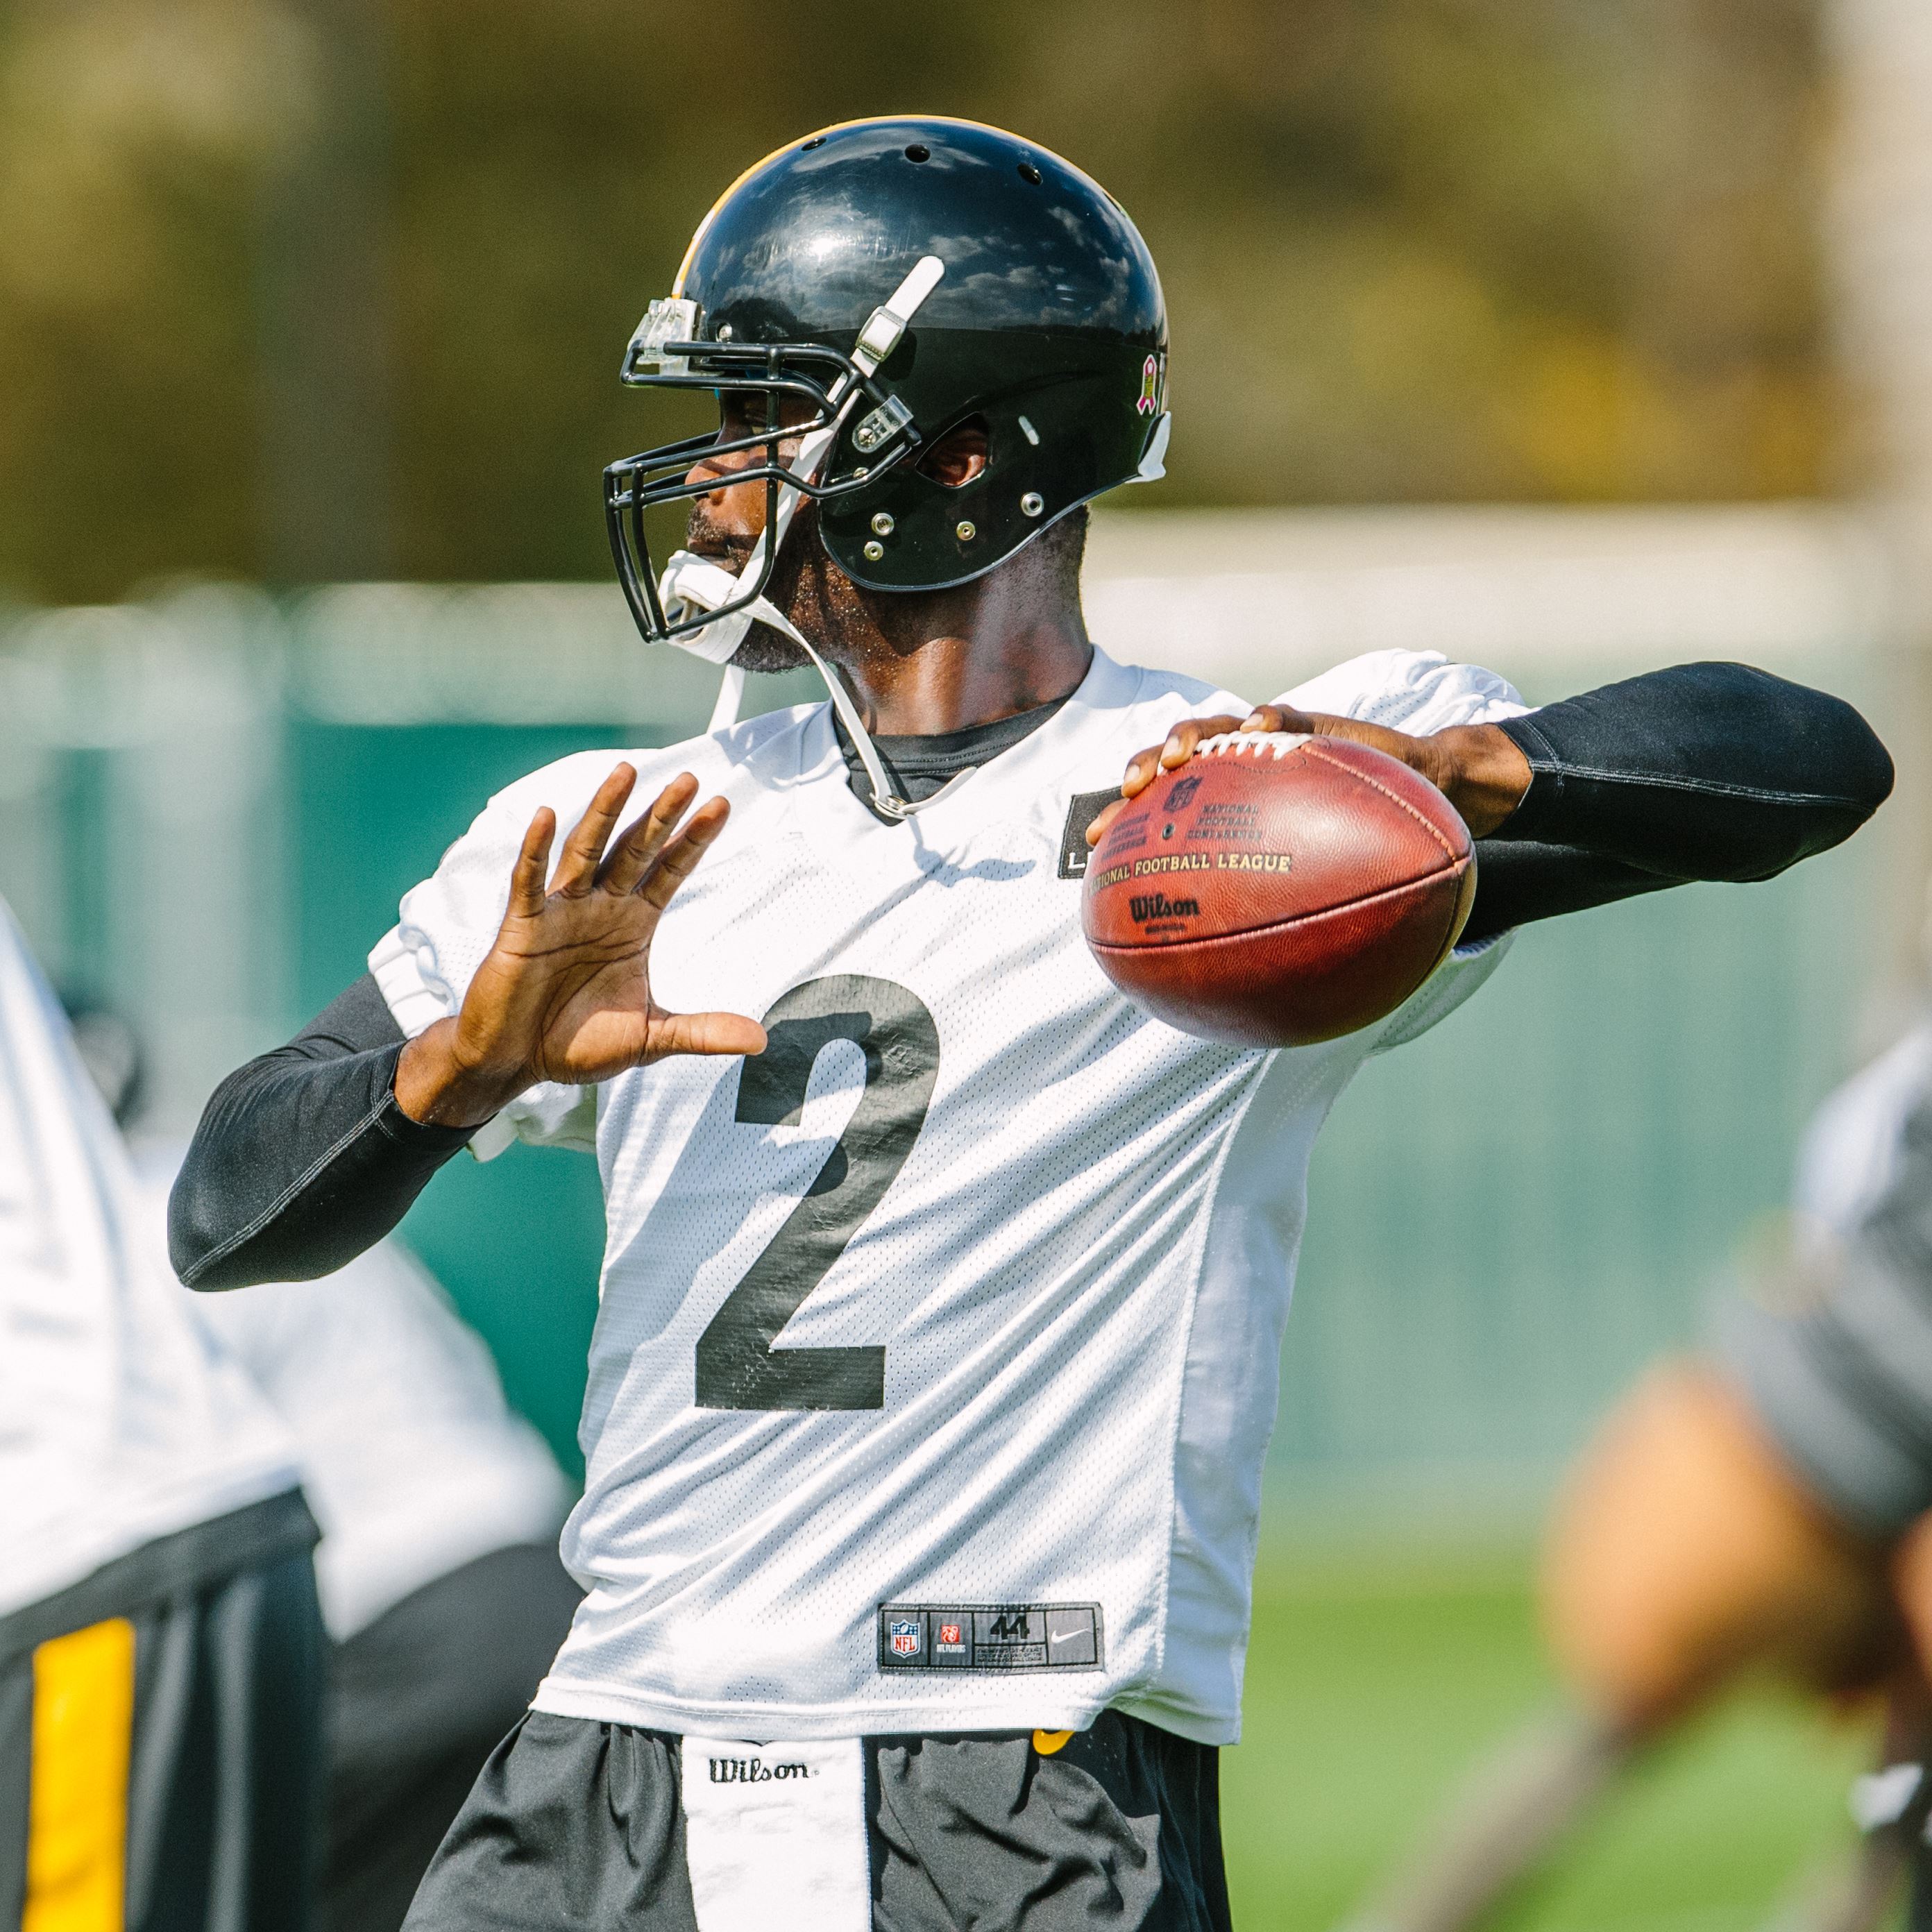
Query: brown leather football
[1277, 890]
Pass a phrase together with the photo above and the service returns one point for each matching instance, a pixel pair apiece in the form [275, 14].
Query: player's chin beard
[764, 649]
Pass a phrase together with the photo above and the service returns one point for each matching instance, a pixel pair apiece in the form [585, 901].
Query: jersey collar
[1084, 745]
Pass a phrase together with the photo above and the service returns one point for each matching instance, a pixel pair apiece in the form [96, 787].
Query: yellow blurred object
[77, 1807]
[1047, 1742]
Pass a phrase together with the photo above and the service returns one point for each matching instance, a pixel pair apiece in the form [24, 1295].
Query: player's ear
[958, 456]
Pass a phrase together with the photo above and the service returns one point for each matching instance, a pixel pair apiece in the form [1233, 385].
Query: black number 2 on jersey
[738, 1364]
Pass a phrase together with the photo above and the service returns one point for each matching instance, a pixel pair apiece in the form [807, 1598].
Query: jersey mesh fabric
[1853, 1150]
[1079, 1271]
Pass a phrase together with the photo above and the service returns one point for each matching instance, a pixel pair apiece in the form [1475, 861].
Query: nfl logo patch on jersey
[989, 1637]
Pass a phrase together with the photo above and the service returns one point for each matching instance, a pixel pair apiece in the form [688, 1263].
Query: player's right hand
[565, 993]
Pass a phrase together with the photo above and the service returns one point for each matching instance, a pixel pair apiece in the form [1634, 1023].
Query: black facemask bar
[832, 384]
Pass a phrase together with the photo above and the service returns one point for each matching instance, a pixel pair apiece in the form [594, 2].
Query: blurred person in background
[442, 1590]
[161, 1661]
[995, 1603]
[1761, 1509]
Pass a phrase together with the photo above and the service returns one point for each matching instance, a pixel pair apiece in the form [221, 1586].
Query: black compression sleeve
[1704, 771]
[1521, 881]
[303, 1160]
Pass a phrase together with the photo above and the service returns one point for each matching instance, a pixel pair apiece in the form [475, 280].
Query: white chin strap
[712, 583]
[691, 583]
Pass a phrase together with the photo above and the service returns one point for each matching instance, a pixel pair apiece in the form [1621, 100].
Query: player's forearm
[1518, 880]
[1704, 771]
[303, 1158]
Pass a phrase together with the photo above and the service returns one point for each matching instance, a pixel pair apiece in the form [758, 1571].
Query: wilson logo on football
[1147, 906]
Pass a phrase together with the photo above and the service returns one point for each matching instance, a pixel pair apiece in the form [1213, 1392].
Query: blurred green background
[316, 289]
[306, 291]
[1377, 1675]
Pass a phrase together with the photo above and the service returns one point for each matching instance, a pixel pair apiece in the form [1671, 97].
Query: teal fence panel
[1510, 1217]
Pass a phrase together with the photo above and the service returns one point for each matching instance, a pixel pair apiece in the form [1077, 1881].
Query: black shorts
[578, 1826]
[160, 1734]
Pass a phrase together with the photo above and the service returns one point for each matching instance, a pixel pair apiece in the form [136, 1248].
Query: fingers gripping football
[1477, 767]
[564, 994]
[1182, 742]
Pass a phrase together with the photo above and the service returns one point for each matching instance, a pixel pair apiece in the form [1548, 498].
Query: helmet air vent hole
[919, 152]
[817, 141]
[1028, 173]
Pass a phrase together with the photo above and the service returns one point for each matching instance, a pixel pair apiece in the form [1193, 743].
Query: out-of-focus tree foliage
[1414, 249]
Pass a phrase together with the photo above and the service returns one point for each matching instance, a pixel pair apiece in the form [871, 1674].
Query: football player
[943, 1291]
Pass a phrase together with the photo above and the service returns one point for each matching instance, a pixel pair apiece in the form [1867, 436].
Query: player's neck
[918, 666]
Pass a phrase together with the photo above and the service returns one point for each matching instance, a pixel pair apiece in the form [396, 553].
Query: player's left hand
[1479, 768]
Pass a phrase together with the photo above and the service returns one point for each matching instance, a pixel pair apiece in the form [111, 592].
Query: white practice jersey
[1852, 1151]
[121, 1419]
[938, 1348]
[412, 1460]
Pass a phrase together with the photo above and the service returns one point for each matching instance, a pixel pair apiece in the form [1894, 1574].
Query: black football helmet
[901, 277]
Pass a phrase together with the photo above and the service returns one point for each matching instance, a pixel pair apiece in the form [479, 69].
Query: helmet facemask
[696, 602]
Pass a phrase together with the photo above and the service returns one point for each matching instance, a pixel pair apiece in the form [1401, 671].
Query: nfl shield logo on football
[905, 1636]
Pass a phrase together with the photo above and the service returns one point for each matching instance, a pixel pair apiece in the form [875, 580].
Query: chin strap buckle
[881, 425]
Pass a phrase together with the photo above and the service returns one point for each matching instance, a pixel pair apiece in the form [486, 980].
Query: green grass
[1374, 1683]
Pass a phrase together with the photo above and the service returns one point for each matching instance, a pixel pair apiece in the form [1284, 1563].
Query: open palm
[564, 994]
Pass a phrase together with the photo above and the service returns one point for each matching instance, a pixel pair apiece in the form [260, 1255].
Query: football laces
[1251, 744]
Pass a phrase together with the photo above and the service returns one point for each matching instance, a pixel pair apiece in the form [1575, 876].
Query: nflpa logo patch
[950, 1633]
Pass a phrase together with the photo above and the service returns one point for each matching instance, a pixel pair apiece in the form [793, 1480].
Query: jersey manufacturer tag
[989, 1637]
[1086, 806]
